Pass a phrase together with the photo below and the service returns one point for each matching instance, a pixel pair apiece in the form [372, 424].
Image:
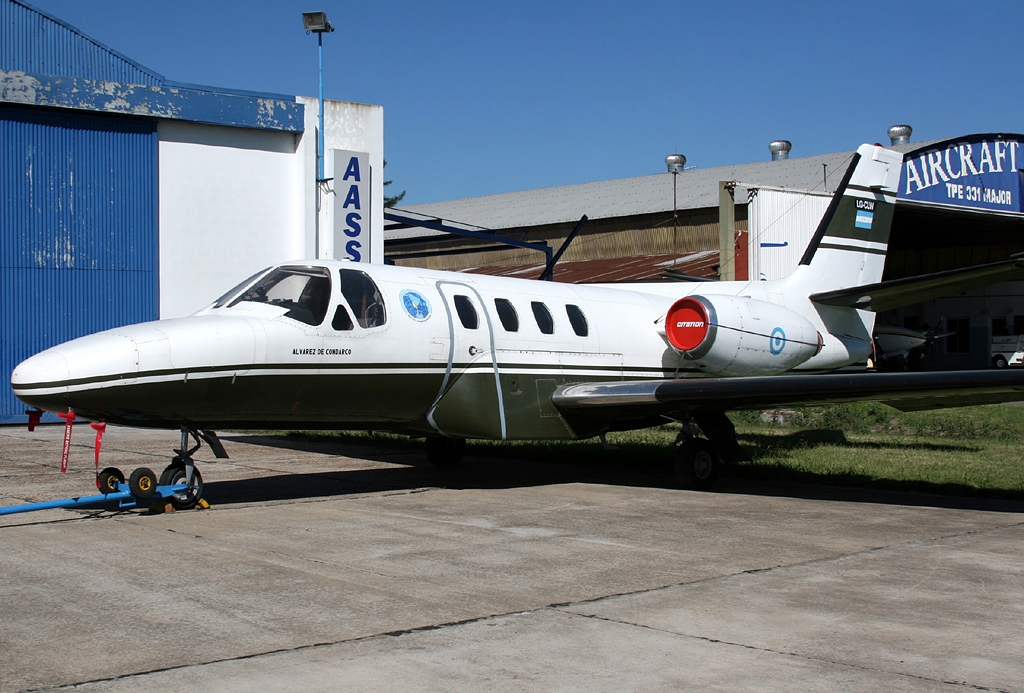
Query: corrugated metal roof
[696, 188]
[47, 62]
[37, 42]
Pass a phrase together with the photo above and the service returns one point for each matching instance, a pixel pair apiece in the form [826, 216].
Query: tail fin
[849, 246]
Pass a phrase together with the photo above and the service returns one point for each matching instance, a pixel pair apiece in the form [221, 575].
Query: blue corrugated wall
[78, 231]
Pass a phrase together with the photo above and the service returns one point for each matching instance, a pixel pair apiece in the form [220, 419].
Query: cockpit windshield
[228, 295]
[304, 291]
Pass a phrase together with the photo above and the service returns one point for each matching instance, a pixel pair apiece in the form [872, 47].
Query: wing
[905, 292]
[640, 400]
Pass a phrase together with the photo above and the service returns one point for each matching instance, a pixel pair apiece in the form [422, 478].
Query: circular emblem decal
[777, 342]
[415, 304]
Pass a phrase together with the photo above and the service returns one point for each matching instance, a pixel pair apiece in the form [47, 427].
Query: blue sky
[486, 97]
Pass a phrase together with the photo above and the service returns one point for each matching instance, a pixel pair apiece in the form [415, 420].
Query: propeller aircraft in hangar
[450, 356]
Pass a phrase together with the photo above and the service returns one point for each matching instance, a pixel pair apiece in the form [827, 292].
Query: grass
[974, 451]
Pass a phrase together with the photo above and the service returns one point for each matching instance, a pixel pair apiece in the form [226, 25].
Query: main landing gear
[699, 460]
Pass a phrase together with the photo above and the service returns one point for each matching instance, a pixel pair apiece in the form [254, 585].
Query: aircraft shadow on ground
[645, 466]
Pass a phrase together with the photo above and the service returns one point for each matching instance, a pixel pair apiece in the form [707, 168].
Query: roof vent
[675, 162]
[900, 134]
[780, 149]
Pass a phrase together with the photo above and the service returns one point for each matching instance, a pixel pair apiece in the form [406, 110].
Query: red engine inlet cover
[686, 324]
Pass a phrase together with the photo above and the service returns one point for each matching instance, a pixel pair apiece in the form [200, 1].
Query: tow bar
[141, 489]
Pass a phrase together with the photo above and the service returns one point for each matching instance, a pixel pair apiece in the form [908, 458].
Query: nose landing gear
[182, 470]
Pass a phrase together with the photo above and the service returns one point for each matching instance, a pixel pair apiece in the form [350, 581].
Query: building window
[1018, 324]
[507, 314]
[543, 317]
[467, 313]
[577, 319]
[959, 342]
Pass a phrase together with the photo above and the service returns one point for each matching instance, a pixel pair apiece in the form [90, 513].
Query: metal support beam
[549, 269]
[726, 231]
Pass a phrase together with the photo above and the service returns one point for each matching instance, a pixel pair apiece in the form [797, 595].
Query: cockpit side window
[304, 291]
[342, 322]
[219, 303]
[363, 298]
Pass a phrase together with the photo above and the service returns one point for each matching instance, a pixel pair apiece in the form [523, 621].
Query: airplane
[450, 356]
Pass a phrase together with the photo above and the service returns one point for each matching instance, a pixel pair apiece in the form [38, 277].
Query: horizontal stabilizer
[905, 292]
[905, 391]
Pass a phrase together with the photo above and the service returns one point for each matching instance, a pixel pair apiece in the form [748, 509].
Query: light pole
[318, 24]
[676, 164]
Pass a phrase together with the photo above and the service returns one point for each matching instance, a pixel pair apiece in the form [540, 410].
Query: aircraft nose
[64, 375]
[46, 370]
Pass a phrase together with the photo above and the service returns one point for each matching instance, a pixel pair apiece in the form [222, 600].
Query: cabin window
[543, 317]
[577, 319]
[507, 314]
[467, 313]
[342, 321]
[304, 291]
[219, 303]
[362, 297]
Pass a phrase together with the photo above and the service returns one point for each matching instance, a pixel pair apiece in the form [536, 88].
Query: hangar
[125, 196]
[959, 206]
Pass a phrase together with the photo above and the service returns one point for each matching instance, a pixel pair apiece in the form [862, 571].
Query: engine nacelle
[733, 335]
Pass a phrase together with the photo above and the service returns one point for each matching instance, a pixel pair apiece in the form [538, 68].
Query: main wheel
[697, 465]
[445, 452]
[142, 483]
[175, 474]
[999, 361]
[108, 480]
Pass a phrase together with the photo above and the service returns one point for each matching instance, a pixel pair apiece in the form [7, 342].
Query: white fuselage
[428, 369]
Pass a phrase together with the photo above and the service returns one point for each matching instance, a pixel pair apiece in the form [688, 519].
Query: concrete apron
[325, 566]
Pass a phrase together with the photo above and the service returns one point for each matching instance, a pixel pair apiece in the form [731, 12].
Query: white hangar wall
[235, 200]
[352, 127]
[781, 223]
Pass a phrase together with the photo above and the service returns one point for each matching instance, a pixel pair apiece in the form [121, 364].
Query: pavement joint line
[796, 655]
[561, 607]
[284, 650]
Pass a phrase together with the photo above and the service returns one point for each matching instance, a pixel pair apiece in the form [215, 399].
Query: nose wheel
[176, 473]
[182, 470]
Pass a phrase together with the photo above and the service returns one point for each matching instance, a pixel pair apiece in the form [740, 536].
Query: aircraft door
[469, 403]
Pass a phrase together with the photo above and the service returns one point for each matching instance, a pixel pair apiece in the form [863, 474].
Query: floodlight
[316, 22]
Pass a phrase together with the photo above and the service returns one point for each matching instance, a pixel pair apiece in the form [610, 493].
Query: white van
[1008, 351]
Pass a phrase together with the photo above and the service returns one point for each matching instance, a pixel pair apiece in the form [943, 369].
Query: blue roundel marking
[777, 342]
[415, 304]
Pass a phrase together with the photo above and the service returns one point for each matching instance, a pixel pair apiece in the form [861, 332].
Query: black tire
[175, 474]
[445, 452]
[108, 480]
[142, 483]
[999, 361]
[697, 465]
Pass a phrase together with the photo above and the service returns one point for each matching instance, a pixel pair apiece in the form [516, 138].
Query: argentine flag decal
[864, 219]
